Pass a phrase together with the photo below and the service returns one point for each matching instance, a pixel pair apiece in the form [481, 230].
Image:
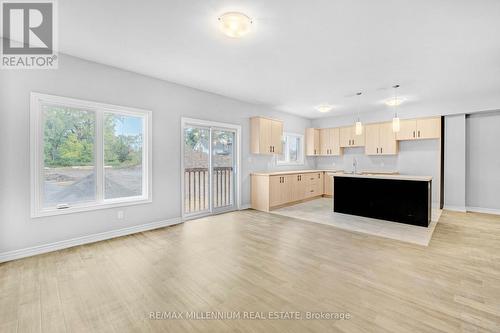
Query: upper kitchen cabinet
[417, 129]
[266, 136]
[312, 142]
[348, 137]
[329, 139]
[380, 139]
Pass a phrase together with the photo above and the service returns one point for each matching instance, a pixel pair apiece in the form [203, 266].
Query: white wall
[483, 162]
[90, 81]
[420, 157]
[455, 163]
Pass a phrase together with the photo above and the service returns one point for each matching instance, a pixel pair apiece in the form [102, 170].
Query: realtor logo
[28, 30]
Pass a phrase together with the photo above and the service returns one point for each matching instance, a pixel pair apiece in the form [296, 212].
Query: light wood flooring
[321, 211]
[254, 261]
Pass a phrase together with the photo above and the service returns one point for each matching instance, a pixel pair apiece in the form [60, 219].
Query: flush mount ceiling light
[396, 101]
[235, 24]
[324, 108]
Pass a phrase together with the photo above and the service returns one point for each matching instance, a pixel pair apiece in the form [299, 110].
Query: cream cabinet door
[265, 136]
[328, 184]
[372, 139]
[274, 190]
[345, 136]
[324, 141]
[334, 141]
[312, 142]
[298, 187]
[407, 130]
[276, 136]
[260, 140]
[428, 128]
[358, 140]
[387, 140]
[320, 183]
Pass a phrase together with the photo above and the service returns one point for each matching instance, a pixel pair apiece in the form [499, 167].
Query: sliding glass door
[209, 169]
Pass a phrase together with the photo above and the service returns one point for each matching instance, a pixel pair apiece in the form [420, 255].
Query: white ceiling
[300, 53]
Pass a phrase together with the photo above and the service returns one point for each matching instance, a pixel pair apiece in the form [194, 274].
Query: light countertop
[385, 176]
[291, 172]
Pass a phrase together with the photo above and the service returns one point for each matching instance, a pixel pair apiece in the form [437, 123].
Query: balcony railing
[196, 188]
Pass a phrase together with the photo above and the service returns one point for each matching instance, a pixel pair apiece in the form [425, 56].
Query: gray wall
[90, 81]
[454, 163]
[483, 161]
[420, 157]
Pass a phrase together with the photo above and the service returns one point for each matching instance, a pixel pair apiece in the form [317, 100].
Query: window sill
[91, 207]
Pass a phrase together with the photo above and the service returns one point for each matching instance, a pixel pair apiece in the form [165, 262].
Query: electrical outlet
[119, 214]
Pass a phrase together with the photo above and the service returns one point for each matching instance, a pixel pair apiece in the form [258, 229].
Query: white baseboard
[483, 210]
[31, 251]
[245, 206]
[461, 209]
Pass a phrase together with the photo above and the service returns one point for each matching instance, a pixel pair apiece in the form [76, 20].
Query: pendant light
[395, 121]
[359, 125]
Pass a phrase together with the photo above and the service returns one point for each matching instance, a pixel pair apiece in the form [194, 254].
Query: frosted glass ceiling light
[234, 24]
[396, 127]
[324, 108]
[359, 125]
[359, 128]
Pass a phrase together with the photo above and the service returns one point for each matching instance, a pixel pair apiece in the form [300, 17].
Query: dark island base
[403, 201]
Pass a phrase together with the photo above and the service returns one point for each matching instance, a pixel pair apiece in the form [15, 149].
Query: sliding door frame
[237, 160]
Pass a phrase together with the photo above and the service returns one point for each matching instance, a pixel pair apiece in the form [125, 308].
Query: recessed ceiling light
[395, 101]
[235, 24]
[324, 108]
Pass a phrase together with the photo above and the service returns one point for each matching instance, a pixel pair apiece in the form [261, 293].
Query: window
[293, 149]
[87, 155]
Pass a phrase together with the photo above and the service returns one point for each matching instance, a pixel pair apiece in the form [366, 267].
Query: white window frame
[37, 160]
[300, 153]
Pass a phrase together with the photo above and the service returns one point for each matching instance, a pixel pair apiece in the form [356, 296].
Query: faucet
[354, 165]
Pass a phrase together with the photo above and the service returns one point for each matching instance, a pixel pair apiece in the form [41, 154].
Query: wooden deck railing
[196, 188]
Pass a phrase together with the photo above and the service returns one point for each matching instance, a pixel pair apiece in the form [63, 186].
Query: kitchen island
[398, 198]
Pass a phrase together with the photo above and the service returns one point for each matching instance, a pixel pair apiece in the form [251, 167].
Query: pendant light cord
[359, 102]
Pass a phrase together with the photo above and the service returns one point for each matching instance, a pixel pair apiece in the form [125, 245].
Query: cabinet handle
[377, 150]
[413, 133]
[381, 150]
[419, 133]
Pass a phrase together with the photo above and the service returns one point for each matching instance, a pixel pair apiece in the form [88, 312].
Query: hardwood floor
[254, 261]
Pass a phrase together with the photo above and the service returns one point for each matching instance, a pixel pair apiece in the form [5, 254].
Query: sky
[129, 125]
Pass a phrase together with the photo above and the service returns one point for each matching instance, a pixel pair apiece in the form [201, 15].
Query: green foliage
[69, 137]
[120, 150]
[196, 139]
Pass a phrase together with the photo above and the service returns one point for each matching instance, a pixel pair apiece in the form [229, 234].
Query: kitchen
[374, 150]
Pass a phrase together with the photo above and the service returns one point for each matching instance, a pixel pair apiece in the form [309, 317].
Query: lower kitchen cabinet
[275, 190]
[328, 184]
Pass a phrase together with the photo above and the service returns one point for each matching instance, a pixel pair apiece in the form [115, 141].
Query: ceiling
[300, 53]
